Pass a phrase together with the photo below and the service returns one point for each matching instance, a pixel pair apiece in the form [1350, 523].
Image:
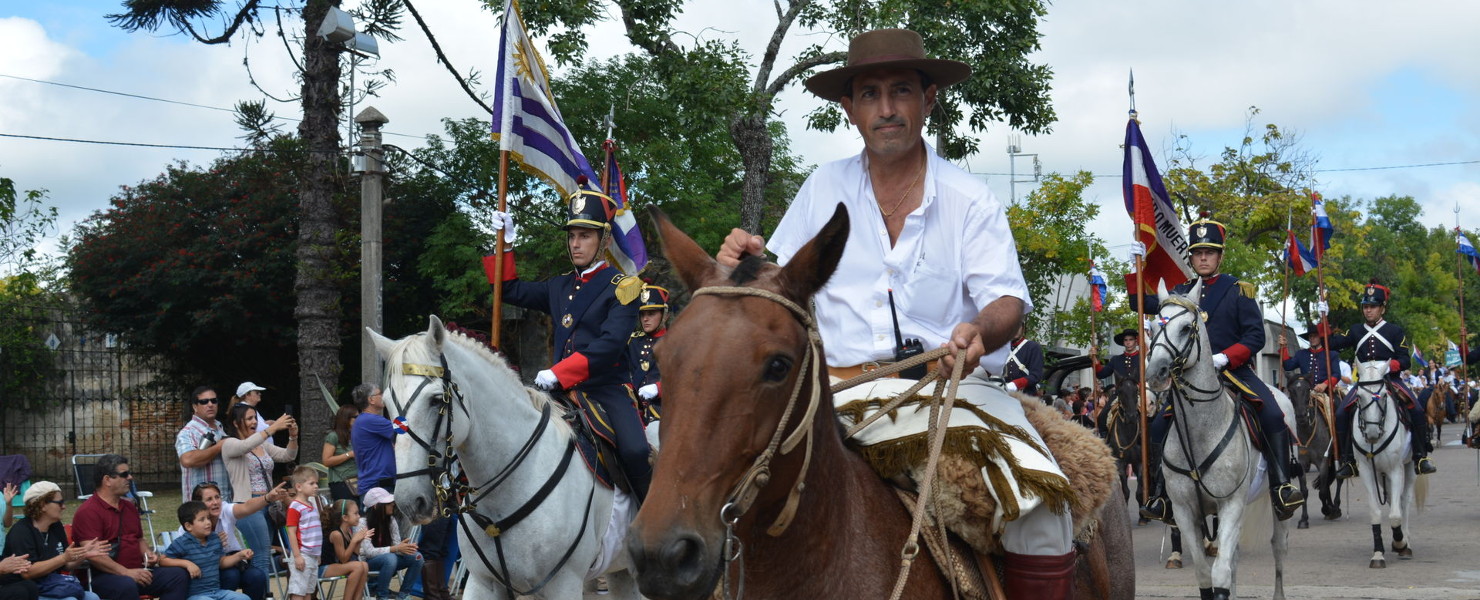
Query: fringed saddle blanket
[995, 462]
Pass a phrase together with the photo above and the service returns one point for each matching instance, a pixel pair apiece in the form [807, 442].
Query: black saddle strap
[503, 567]
[1207, 461]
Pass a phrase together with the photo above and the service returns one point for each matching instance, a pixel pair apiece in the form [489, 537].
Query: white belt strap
[1372, 333]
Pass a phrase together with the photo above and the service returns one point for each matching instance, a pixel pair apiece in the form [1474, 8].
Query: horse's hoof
[1175, 563]
[1405, 552]
[1334, 514]
[1377, 563]
[1210, 550]
[1142, 521]
[1303, 524]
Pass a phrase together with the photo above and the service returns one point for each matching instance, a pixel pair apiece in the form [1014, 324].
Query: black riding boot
[1158, 507]
[1420, 444]
[1286, 496]
[1347, 468]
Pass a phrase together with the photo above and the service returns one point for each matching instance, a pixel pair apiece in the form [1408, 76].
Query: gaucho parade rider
[592, 310]
[929, 247]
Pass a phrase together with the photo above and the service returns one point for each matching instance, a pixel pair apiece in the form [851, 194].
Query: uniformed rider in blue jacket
[1235, 327]
[593, 310]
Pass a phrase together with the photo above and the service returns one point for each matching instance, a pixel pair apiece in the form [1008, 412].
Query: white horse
[539, 520]
[1384, 459]
[1209, 463]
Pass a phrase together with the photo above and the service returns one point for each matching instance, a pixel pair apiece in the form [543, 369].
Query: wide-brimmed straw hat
[886, 49]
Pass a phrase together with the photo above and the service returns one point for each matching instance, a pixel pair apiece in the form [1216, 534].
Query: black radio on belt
[905, 348]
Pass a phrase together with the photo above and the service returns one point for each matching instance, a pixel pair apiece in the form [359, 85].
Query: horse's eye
[778, 368]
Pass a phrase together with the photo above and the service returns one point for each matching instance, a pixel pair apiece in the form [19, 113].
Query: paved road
[1329, 560]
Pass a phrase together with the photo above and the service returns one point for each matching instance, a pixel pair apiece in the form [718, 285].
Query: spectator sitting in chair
[200, 552]
[13, 586]
[43, 540]
[123, 573]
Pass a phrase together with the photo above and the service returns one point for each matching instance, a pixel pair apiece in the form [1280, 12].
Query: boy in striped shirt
[304, 533]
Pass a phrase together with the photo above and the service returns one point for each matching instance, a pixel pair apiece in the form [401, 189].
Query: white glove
[504, 222]
[1011, 387]
[1137, 249]
[546, 380]
[1322, 308]
[1220, 360]
[648, 392]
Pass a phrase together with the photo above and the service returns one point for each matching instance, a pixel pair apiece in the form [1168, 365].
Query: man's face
[888, 106]
[584, 244]
[651, 320]
[252, 397]
[1132, 344]
[1373, 313]
[117, 481]
[1205, 261]
[205, 405]
[1315, 341]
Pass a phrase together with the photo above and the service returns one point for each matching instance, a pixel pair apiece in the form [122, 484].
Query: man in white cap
[921, 227]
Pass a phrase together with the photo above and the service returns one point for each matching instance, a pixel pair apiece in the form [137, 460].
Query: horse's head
[417, 398]
[1178, 340]
[1372, 398]
[732, 365]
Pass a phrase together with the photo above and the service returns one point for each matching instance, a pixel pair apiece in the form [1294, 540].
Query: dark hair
[332, 519]
[362, 395]
[190, 401]
[234, 417]
[107, 465]
[378, 520]
[189, 511]
[342, 419]
[199, 492]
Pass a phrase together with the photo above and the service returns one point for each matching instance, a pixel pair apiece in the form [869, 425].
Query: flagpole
[1145, 478]
[494, 329]
[1324, 308]
[1094, 334]
[1285, 296]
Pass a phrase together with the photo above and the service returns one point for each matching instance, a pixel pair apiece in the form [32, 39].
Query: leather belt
[859, 369]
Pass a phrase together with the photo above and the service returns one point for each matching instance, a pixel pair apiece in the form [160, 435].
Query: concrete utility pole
[371, 169]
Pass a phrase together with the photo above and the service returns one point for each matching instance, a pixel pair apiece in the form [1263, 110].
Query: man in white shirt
[930, 245]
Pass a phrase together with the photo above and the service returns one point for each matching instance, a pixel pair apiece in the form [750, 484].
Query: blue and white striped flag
[527, 123]
[1320, 227]
[1467, 249]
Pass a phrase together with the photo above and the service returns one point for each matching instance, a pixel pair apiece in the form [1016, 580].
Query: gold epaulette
[638, 334]
[1248, 289]
[628, 288]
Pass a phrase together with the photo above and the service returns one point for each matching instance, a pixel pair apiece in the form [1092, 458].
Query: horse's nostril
[681, 552]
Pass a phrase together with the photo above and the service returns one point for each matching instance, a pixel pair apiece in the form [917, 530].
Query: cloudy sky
[1374, 88]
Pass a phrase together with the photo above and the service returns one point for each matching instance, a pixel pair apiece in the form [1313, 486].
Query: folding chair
[83, 467]
[282, 578]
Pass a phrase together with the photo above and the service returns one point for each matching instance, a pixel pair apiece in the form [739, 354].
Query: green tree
[26, 365]
[1053, 243]
[318, 310]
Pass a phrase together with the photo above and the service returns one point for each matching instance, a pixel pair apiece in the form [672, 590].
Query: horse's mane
[404, 349]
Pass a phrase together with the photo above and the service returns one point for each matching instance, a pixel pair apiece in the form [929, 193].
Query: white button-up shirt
[954, 256]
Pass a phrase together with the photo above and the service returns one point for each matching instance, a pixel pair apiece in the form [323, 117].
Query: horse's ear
[1196, 291]
[382, 344]
[1161, 290]
[436, 330]
[814, 264]
[693, 265]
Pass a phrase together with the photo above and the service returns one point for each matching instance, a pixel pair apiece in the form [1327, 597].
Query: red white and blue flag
[1157, 225]
[624, 226]
[1300, 259]
[1320, 227]
[1098, 289]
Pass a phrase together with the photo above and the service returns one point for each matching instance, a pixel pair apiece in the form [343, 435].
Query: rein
[1182, 358]
[448, 491]
[1375, 398]
[742, 496]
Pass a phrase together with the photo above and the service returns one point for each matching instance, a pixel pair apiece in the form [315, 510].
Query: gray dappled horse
[455, 396]
[1210, 464]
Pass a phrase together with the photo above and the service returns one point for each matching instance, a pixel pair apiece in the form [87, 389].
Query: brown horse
[740, 373]
[1438, 410]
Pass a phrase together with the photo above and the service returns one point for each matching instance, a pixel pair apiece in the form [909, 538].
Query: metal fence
[98, 398]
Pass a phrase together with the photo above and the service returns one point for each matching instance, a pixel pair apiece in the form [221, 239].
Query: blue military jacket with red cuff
[1311, 363]
[591, 326]
[1125, 367]
[1371, 348]
[1235, 322]
[640, 361]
